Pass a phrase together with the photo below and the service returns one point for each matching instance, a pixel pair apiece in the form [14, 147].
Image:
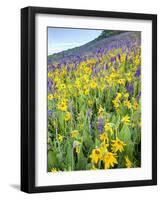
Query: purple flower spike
[50, 112]
[130, 88]
[106, 66]
[100, 125]
[118, 55]
[112, 59]
[138, 72]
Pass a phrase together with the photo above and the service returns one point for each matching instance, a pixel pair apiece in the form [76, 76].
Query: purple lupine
[112, 59]
[68, 68]
[118, 55]
[130, 88]
[100, 125]
[138, 72]
[106, 66]
[50, 112]
[50, 83]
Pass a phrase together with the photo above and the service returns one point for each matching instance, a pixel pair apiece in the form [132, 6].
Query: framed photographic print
[88, 99]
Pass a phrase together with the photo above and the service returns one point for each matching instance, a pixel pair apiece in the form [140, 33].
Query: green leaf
[125, 134]
[82, 162]
[52, 159]
[129, 150]
[69, 157]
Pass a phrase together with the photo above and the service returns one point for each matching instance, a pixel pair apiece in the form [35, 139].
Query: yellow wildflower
[116, 103]
[74, 134]
[95, 156]
[121, 81]
[50, 96]
[90, 102]
[60, 137]
[62, 106]
[93, 167]
[76, 146]
[118, 96]
[126, 120]
[50, 74]
[54, 170]
[135, 105]
[100, 111]
[93, 85]
[78, 84]
[128, 162]
[68, 116]
[109, 160]
[129, 77]
[117, 145]
[103, 147]
[126, 95]
[123, 58]
[77, 149]
[127, 104]
[104, 137]
[86, 91]
[87, 70]
[108, 127]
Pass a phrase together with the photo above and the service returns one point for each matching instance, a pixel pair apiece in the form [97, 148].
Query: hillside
[106, 40]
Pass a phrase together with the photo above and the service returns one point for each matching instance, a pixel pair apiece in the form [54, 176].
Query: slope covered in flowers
[94, 106]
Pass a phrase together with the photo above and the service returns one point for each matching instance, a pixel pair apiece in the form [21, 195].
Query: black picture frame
[28, 92]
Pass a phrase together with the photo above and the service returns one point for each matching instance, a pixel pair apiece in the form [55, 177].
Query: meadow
[94, 106]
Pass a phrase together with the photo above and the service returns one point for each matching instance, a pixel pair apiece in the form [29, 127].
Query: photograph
[93, 99]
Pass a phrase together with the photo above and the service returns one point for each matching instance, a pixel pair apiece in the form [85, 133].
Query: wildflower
[117, 145]
[50, 97]
[103, 147]
[60, 137]
[78, 84]
[50, 74]
[123, 58]
[54, 170]
[95, 156]
[86, 91]
[121, 81]
[74, 134]
[100, 111]
[127, 104]
[116, 103]
[93, 167]
[68, 116]
[104, 137]
[109, 160]
[90, 102]
[62, 87]
[128, 162]
[62, 106]
[126, 95]
[100, 124]
[93, 85]
[126, 120]
[135, 105]
[118, 96]
[138, 72]
[130, 88]
[108, 128]
[76, 146]
[129, 77]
